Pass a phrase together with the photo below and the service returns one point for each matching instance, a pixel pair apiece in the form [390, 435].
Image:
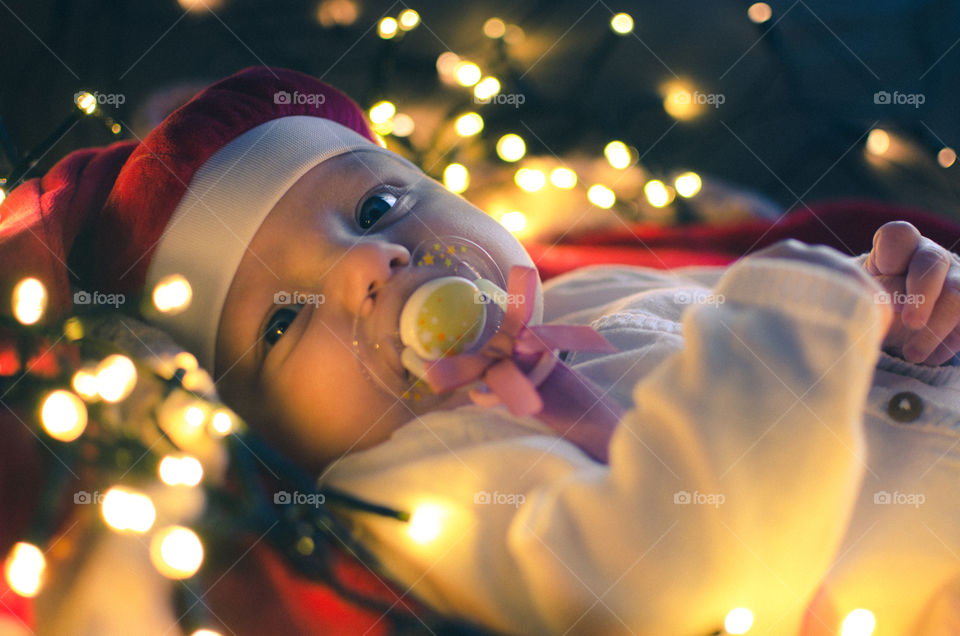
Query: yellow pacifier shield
[443, 317]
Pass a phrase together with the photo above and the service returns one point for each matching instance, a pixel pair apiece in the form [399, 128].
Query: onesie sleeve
[729, 485]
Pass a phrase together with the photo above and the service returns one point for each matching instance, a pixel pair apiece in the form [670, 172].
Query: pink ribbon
[496, 362]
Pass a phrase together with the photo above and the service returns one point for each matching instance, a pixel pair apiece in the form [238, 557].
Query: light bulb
[382, 111]
[29, 301]
[563, 178]
[86, 102]
[622, 23]
[878, 141]
[426, 523]
[123, 509]
[116, 376]
[172, 294]
[688, 184]
[530, 179]
[409, 19]
[468, 124]
[387, 28]
[514, 221]
[176, 552]
[24, 568]
[511, 147]
[658, 194]
[601, 196]
[63, 415]
[738, 621]
[456, 178]
[617, 154]
[486, 89]
[182, 470]
[946, 157]
[467, 73]
[859, 622]
[494, 28]
[759, 12]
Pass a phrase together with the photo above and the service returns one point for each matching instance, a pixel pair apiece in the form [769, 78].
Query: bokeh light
[63, 415]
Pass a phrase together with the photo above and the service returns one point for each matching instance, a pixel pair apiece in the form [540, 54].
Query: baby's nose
[365, 267]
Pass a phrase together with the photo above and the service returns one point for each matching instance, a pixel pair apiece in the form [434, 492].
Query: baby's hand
[922, 280]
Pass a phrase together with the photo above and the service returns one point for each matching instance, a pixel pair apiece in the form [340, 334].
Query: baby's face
[341, 231]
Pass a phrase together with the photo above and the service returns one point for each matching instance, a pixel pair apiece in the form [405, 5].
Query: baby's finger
[943, 321]
[893, 247]
[941, 354]
[926, 274]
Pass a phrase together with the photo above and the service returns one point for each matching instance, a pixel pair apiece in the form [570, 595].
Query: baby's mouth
[377, 331]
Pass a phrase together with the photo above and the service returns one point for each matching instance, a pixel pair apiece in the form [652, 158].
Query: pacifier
[450, 300]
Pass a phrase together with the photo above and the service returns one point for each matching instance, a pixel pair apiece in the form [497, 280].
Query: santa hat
[186, 200]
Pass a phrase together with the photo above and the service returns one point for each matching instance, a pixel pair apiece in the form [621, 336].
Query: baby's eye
[374, 207]
[279, 322]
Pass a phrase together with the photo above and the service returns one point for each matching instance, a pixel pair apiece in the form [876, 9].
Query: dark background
[798, 89]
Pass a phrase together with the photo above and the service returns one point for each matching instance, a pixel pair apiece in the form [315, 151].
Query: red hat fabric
[110, 209]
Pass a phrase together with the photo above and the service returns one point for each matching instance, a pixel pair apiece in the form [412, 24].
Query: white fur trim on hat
[226, 202]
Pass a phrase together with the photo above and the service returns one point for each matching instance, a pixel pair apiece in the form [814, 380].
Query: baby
[767, 443]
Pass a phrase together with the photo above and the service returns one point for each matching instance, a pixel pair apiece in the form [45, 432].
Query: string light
[29, 301]
[63, 415]
[511, 147]
[494, 28]
[759, 12]
[878, 141]
[387, 28]
[563, 178]
[337, 13]
[182, 470]
[946, 157]
[199, 5]
[73, 328]
[486, 88]
[617, 154]
[658, 193]
[513, 34]
[456, 178]
[24, 569]
[221, 423]
[467, 73]
[514, 221]
[382, 111]
[84, 382]
[859, 622]
[172, 294]
[194, 416]
[678, 100]
[205, 632]
[127, 510]
[622, 23]
[601, 196]
[409, 19]
[688, 184]
[403, 125]
[468, 124]
[447, 64]
[426, 523]
[530, 179]
[738, 621]
[116, 376]
[176, 552]
[86, 102]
